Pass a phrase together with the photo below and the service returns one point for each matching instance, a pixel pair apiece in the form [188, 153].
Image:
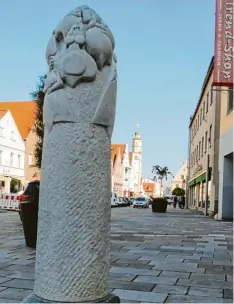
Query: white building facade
[12, 154]
[179, 181]
[155, 188]
[127, 168]
[126, 172]
[136, 165]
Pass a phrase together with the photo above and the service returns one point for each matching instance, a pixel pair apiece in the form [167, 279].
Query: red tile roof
[115, 150]
[23, 113]
[2, 113]
[149, 187]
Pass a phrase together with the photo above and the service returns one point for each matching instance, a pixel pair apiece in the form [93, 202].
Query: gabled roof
[115, 148]
[23, 113]
[149, 187]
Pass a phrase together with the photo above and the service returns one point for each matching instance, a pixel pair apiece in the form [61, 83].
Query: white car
[114, 200]
[141, 202]
[169, 198]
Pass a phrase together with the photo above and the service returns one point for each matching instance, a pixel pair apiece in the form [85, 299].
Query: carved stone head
[84, 28]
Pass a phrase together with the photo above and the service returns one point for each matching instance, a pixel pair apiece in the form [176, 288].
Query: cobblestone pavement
[177, 257]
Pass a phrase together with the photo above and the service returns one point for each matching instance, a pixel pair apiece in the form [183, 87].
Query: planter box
[159, 205]
[29, 215]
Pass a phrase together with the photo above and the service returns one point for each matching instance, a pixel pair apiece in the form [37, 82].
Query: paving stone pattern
[177, 257]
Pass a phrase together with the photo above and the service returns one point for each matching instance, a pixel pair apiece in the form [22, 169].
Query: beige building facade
[210, 165]
[225, 205]
[179, 181]
[203, 175]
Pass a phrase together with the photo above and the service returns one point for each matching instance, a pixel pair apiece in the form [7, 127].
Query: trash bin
[29, 214]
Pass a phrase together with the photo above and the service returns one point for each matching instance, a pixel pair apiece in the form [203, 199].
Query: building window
[206, 138]
[202, 146]
[194, 156]
[198, 121]
[30, 160]
[199, 152]
[200, 116]
[210, 135]
[191, 160]
[207, 102]
[1, 131]
[12, 159]
[19, 161]
[230, 100]
[204, 108]
[211, 97]
[12, 135]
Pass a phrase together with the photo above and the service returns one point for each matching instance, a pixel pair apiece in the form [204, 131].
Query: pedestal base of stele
[111, 298]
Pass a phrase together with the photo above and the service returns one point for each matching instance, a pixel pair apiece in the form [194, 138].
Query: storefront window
[203, 191]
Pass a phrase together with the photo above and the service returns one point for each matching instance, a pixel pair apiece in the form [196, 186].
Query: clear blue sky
[163, 47]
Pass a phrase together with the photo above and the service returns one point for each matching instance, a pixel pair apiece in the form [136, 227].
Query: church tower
[137, 161]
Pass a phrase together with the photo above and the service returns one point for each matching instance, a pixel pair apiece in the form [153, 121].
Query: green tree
[161, 173]
[38, 97]
[178, 192]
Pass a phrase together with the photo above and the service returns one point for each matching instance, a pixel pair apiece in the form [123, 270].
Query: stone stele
[72, 260]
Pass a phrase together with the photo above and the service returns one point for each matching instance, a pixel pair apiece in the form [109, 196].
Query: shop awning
[198, 179]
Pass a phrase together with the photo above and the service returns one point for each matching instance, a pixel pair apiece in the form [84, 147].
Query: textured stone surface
[72, 262]
[135, 271]
[15, 294]
[19, 283]
[195, 299]
[175, 274]
[207, 292]
[181, 290]
[140, 296]
[4, 279]
[131, 285]
[204, 283]
[228, 294]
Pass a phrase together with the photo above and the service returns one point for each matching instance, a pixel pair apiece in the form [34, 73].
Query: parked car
[129, 203]
[124, 201]
[169, 198]
[31, 193]
[141, 202]
[114, 200]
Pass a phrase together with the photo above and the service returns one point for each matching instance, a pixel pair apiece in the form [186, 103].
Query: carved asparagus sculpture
[72, 261]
